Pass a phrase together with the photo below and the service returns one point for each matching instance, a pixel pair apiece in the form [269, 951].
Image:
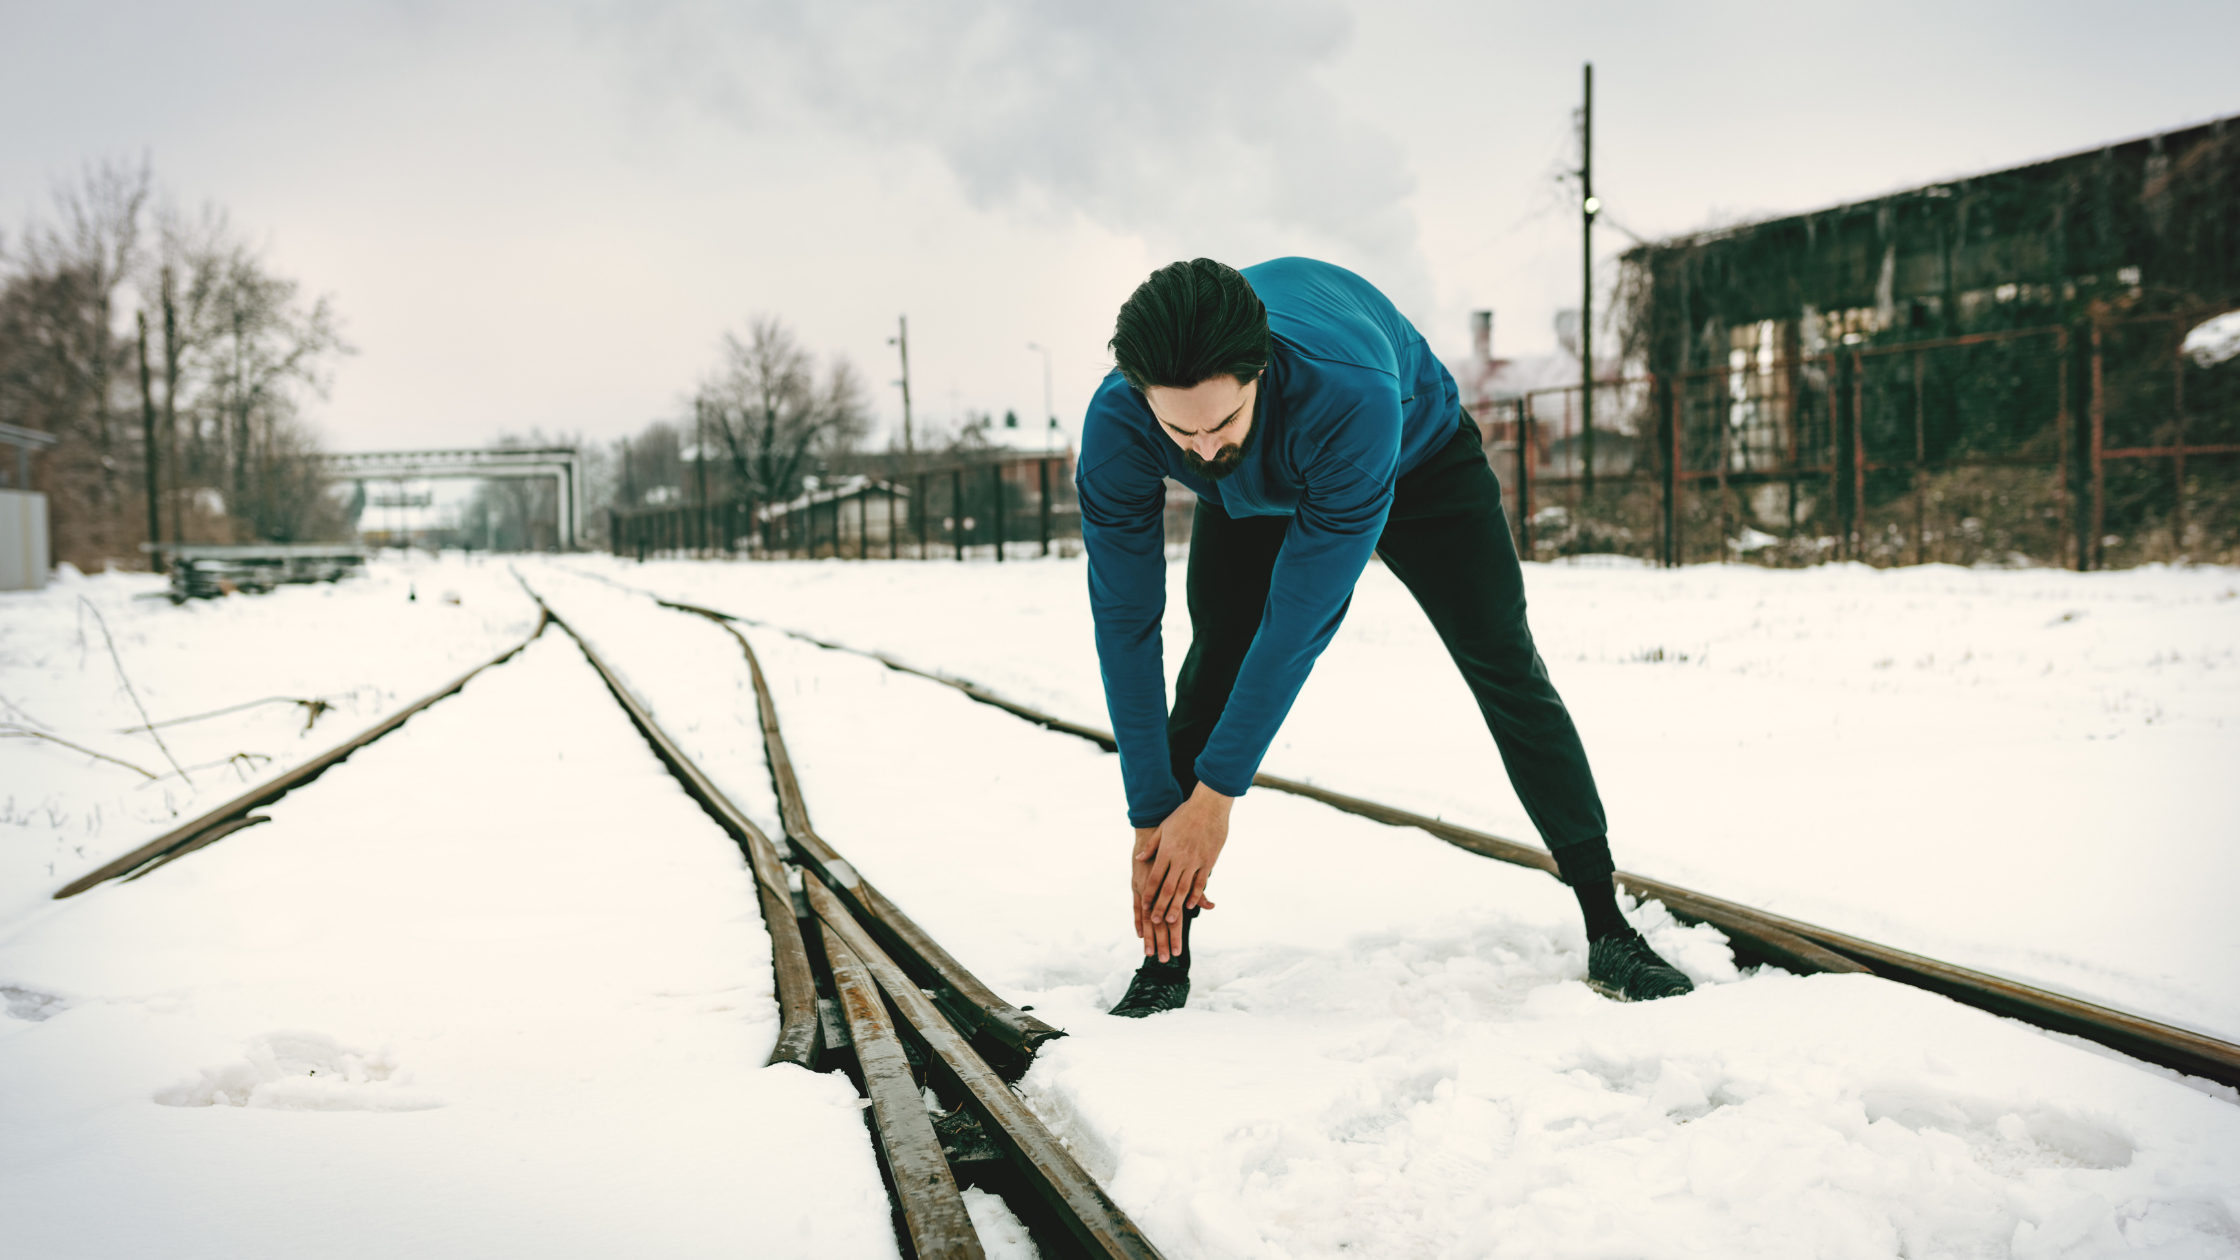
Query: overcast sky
[546, 215]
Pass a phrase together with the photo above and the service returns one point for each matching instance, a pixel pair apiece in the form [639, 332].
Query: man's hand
[1172, 863]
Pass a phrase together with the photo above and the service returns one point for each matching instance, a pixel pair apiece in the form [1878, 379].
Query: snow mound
[1002, 1235]
[2214, 341]
[296, 1071]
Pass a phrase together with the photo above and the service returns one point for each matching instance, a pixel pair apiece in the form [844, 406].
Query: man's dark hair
[1190, 322]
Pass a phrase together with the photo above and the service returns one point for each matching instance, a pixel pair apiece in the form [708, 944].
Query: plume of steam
[1200, 126]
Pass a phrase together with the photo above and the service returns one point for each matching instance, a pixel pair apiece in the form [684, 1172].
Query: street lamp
[1049, 412]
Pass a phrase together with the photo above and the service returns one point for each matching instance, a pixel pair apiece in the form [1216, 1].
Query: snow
[495, 986]
[1389, 1049]
[358, 646]
[2028, 772]
[537, 1013]
[2213, 341]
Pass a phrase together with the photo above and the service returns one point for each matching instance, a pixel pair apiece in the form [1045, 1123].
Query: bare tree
[240, 351]
[64, 364]
[771, 414]
[251, 348]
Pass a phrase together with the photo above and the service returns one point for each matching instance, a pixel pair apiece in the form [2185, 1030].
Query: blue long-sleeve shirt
[1353, 398]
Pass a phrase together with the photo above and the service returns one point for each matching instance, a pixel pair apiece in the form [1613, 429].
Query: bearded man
[1317, 428]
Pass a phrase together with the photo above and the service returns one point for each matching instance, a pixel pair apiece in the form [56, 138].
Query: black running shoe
[1625, 968]
[1157, 987]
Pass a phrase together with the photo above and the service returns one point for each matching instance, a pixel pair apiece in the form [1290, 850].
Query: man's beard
[1225, 461]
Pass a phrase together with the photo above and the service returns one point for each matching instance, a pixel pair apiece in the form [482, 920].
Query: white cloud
[1203, 128]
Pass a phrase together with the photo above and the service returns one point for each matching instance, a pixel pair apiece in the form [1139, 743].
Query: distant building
[2153, 222]
[1490, 387]
[2002, 349]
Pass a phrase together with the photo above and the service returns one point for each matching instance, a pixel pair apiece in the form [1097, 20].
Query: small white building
[26, 552]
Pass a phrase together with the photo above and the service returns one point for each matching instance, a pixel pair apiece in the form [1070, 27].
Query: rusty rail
[1790, 943]
[932, 1208]
[870, 946]
[934, 966]
[797, 991]
[234, 814]
[1097, 1224]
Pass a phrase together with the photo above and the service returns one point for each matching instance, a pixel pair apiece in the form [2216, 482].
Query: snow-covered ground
[495, 986]
[361, 647]
[2028, 772]
[1388, 1050]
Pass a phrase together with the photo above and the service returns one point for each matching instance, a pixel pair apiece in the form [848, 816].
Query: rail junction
[864, 990]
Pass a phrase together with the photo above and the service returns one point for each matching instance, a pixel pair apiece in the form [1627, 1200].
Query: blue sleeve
[1332, 535]
[1123, 529]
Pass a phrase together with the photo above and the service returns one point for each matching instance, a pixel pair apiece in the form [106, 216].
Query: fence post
[1045, 505]
[1719, 470]
[2178, 460]
[894, 542]
[997, 469]
[1920, 470]
[863, 522]
[1839, 487]
[2100, 467]
[956, 510]
[1524, 481]
[1675, 519]
[921, 507]
[1858, 455]
[2066, 367]
[1659, 408]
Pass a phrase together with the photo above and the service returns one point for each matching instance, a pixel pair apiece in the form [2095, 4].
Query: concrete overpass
[561, 463]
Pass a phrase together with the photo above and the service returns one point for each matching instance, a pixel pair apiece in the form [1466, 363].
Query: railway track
[1757, 935]
[861, 988]
[238, 813]
[895, 1010]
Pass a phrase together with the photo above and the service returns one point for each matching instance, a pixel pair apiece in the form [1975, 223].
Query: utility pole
[1587, 207]
[700, 460]
[171, 406]
[148, 439]
[1049, 410]
[901, 340]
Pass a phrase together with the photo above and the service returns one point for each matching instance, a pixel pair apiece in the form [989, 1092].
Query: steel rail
[933, 1211]
[1777, 944]
[1098, 1225]
[798, 1030]
[929, 1206]
[1791, 943]
[233, 815]
[935, 967]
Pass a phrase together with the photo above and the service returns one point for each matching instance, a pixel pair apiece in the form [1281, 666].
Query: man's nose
[1207, 445]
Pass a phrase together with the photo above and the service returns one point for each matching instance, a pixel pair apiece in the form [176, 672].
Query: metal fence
[2097, 445]
[2164, 434]
[992, 509]
[2103, 445]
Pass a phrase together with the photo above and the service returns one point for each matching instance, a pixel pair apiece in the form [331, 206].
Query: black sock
[1587, 868]
[1599, 902]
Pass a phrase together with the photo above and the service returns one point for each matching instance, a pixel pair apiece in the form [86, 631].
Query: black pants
[1448, 541]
